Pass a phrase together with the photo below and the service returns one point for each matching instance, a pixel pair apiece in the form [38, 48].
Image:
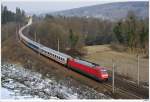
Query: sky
[44, 6]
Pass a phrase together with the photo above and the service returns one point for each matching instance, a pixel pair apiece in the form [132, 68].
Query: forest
[74, 33]
[10, 22]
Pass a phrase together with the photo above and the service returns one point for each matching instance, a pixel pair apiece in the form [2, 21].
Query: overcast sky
[43, 6]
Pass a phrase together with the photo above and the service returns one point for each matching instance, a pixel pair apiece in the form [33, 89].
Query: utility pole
[17, 36]
[113, 78]
[58, 44]
[138, 70]
[39, 46]
[35, 36]
[17, 33]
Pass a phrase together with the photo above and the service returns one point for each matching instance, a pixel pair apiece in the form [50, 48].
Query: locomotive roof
[85, 63]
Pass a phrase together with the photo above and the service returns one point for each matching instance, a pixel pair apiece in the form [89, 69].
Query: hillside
[112, 11]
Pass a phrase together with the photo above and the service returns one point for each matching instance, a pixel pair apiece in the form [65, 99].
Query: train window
[104, 71]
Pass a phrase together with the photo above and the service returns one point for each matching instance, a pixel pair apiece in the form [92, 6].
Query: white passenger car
[55, 55]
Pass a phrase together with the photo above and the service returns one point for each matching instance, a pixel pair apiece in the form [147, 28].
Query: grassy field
[126, 63]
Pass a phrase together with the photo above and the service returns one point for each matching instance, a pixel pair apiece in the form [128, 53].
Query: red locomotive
[89, 69]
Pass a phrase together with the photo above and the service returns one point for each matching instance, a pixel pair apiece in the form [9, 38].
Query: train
[87, 68]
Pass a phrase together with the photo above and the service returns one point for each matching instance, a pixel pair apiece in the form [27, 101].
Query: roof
[85, 63]
[56, 52]
[49, 49]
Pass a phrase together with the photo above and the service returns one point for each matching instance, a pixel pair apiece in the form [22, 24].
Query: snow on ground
[21, 83]
[9, 94]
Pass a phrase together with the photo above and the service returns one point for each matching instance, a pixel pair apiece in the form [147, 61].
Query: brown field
[126, 63]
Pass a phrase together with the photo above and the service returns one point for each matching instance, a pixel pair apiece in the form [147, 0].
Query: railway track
[136, 90]
[122, 92]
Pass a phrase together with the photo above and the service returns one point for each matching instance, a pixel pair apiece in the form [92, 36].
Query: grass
[126, 63]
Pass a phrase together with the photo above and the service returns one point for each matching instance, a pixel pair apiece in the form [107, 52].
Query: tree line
[76, 32]
[11, 21]
[132, 32]
[9, 16]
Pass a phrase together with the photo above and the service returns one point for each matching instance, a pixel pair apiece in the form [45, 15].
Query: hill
[112, 11]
